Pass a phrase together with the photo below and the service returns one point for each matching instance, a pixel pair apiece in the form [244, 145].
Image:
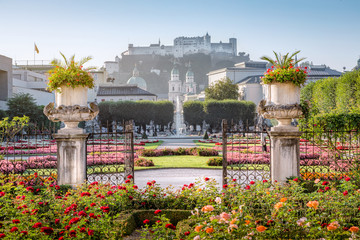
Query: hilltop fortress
[156, 61]
[185, 46]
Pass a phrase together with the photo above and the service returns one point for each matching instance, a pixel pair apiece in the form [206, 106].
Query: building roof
[250, 79]
[126, 90]
[322, 71]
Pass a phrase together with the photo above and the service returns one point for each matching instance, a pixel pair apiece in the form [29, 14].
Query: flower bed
[37, 208]
[178, 151]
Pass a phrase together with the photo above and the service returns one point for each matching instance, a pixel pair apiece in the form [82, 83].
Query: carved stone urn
[283, 104]
[71, 108]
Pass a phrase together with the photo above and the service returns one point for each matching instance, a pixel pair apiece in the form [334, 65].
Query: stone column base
[285, 155]
[71, 158]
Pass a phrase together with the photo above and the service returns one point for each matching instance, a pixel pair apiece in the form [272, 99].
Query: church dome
[174, 71]
[135, 79]
[189, 73]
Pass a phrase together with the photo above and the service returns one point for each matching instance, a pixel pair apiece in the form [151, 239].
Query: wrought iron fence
[328, 153]
[246, 153]
[32, 150]
[110, 157]
[110, 154]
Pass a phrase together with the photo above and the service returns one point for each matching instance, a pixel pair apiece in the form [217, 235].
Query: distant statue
[261, 125]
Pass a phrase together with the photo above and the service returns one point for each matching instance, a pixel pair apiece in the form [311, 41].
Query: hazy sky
[326, 31]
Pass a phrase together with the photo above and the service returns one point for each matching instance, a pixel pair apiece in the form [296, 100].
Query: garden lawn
[182, 161]
[204, 145]
[153, 145]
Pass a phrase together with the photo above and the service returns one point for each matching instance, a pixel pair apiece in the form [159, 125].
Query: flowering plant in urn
[70, 73]
[283, 81]
[70, 81]
[283, 70]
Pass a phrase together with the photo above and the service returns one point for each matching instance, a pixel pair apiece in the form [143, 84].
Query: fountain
[179, 119]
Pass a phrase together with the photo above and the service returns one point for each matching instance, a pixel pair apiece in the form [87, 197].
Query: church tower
[190, 85]
[175, 85]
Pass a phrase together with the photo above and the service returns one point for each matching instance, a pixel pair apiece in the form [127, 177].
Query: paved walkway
[176, 143]
[176, 177]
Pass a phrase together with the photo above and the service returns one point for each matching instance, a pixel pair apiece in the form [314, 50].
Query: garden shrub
[317, 209]
[144, 136]
[207, 152]
[217, 161]
[206, 136]
[142, 162]
[179, 151]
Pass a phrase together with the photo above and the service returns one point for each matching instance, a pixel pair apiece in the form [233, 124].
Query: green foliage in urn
[283, 70]
[70, 73]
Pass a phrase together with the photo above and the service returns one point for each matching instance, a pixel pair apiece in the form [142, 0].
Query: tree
[231, 110]
[221, 90]
[163, 113]
[2, 114]
[194, 113]
[24, 104]
[105, 115]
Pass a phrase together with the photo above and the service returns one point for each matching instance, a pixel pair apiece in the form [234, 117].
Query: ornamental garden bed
[37, 208]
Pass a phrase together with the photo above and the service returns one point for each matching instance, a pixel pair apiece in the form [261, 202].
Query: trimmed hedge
[179, 151]
[134, 219]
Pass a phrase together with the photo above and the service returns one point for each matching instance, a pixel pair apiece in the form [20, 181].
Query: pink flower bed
[108, 148]
[50, 162]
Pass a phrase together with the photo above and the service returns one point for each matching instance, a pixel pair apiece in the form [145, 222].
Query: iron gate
[246, 154]
[110, 157]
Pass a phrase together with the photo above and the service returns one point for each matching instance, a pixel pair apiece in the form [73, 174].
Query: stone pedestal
[285, 154]
[71, 155]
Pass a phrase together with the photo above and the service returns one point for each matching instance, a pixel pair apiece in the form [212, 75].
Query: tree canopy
[221, 90]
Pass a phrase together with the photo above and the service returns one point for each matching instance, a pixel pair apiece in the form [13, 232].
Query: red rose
[82, 213]
[157, 211]
[105, 209]
[225, 186]
[57, 221]
[47, 230]
[146, 221]
[110, 193]
[345, 193]
[170, 226]
[13, 229]
[247, 187]
[37, 225]
[186, 233]
[72, 233]
[16, 221]
[347, 179]
[74, 220]
[252, 182]
[91, 232]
